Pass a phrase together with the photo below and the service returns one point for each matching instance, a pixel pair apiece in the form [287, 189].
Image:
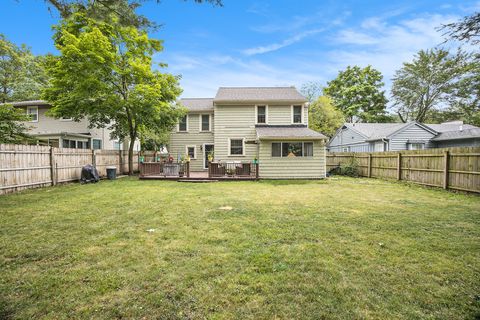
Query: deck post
[369, 170]
[399, 166]
[209, 168]
[188, 169]
[256, 170]
[94, 159]
[445, 169]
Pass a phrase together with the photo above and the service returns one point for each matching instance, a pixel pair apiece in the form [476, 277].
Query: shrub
[349, 168]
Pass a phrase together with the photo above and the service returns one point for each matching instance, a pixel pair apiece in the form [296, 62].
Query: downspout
[385, 141]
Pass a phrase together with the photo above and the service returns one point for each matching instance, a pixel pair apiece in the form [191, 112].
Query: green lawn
[337, 249]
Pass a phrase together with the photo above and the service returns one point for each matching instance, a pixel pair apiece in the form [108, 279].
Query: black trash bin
[112, 173]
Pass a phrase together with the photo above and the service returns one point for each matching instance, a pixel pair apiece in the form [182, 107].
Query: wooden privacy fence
[25, 166]
[448, 168]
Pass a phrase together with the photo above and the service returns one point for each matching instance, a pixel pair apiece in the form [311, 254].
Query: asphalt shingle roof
[259, 94]
[453, 126]
[288, 132]
[28, 103]
[459, 134]
[375, 130]
[198, 104]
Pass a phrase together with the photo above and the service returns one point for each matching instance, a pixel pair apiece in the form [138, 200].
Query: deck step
[197, 180]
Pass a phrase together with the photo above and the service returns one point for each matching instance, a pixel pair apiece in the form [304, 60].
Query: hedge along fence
[26, 166]
[448, 168]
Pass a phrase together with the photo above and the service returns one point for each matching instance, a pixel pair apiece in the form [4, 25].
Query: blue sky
[268, 43]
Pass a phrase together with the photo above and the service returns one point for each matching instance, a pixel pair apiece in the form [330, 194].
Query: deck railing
[166, 169]
[233, 169]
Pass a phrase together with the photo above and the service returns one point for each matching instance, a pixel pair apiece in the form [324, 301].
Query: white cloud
[279, 45]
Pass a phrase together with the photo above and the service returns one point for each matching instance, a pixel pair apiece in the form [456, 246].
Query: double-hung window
[191, 152]
[297, 114]
[261, 114]
[32, 112]
[236, 147]
[292, 149]
[183, 124]
[205, 122]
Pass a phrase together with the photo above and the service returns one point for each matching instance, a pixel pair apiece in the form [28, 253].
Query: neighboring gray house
[66, 133]
[269, 124]
[377, 137]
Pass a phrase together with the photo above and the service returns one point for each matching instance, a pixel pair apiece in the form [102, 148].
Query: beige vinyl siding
[235, 122]
[179, 141]
[292, 168]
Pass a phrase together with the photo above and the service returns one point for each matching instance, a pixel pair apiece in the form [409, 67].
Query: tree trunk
[130, 156]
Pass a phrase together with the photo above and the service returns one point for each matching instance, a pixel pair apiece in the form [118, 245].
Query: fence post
[256, 170]
[120, 162]
[209, 169]
[445, 169]
[369, 169]
[94, 159]
[399, 166]
[188, 169]
[52, 166]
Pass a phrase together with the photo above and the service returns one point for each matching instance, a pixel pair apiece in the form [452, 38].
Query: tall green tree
[12, 127]
[104, 73]
[466, 29]
[125, 10]
[311, 90]
[434, 81]
[357, 93]
[22, 75]
[324, 117]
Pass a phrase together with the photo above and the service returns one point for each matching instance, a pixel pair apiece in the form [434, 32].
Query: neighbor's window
[65, 143]
[116, 145]
[182, 125]
[97, 144]
[191, 152]
[292, 149]
[236, 147]
[205, 122]
[261, 114]
[416, 146]
[33, 113]
[346, 149]
[297, 114]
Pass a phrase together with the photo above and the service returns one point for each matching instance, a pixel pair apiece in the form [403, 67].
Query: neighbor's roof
[259, 94]
[198, 104]
[28, 103]
[287, 132]
[375, 130]
[450, 126]
[459, 134]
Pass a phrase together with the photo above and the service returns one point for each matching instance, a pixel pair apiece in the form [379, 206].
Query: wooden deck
[198, 176]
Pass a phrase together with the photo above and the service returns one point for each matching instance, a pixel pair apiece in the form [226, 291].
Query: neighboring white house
[375, 137]
[66, 133]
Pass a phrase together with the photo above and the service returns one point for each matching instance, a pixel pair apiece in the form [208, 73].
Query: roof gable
[197, 104]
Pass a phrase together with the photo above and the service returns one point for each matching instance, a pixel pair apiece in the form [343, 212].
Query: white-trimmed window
[191, 151]
[261, 114]
[297, 114]
[96, 144]
[345, 149]
[32, 112]
[292, 149]
[205, 123]
[415, 146]
[183, 124]
[236, 147]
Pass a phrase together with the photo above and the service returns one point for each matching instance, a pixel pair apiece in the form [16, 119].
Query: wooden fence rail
[26, 166]
[448, 168]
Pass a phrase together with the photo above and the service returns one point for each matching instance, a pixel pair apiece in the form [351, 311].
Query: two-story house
[66, 133]
[268, 124]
